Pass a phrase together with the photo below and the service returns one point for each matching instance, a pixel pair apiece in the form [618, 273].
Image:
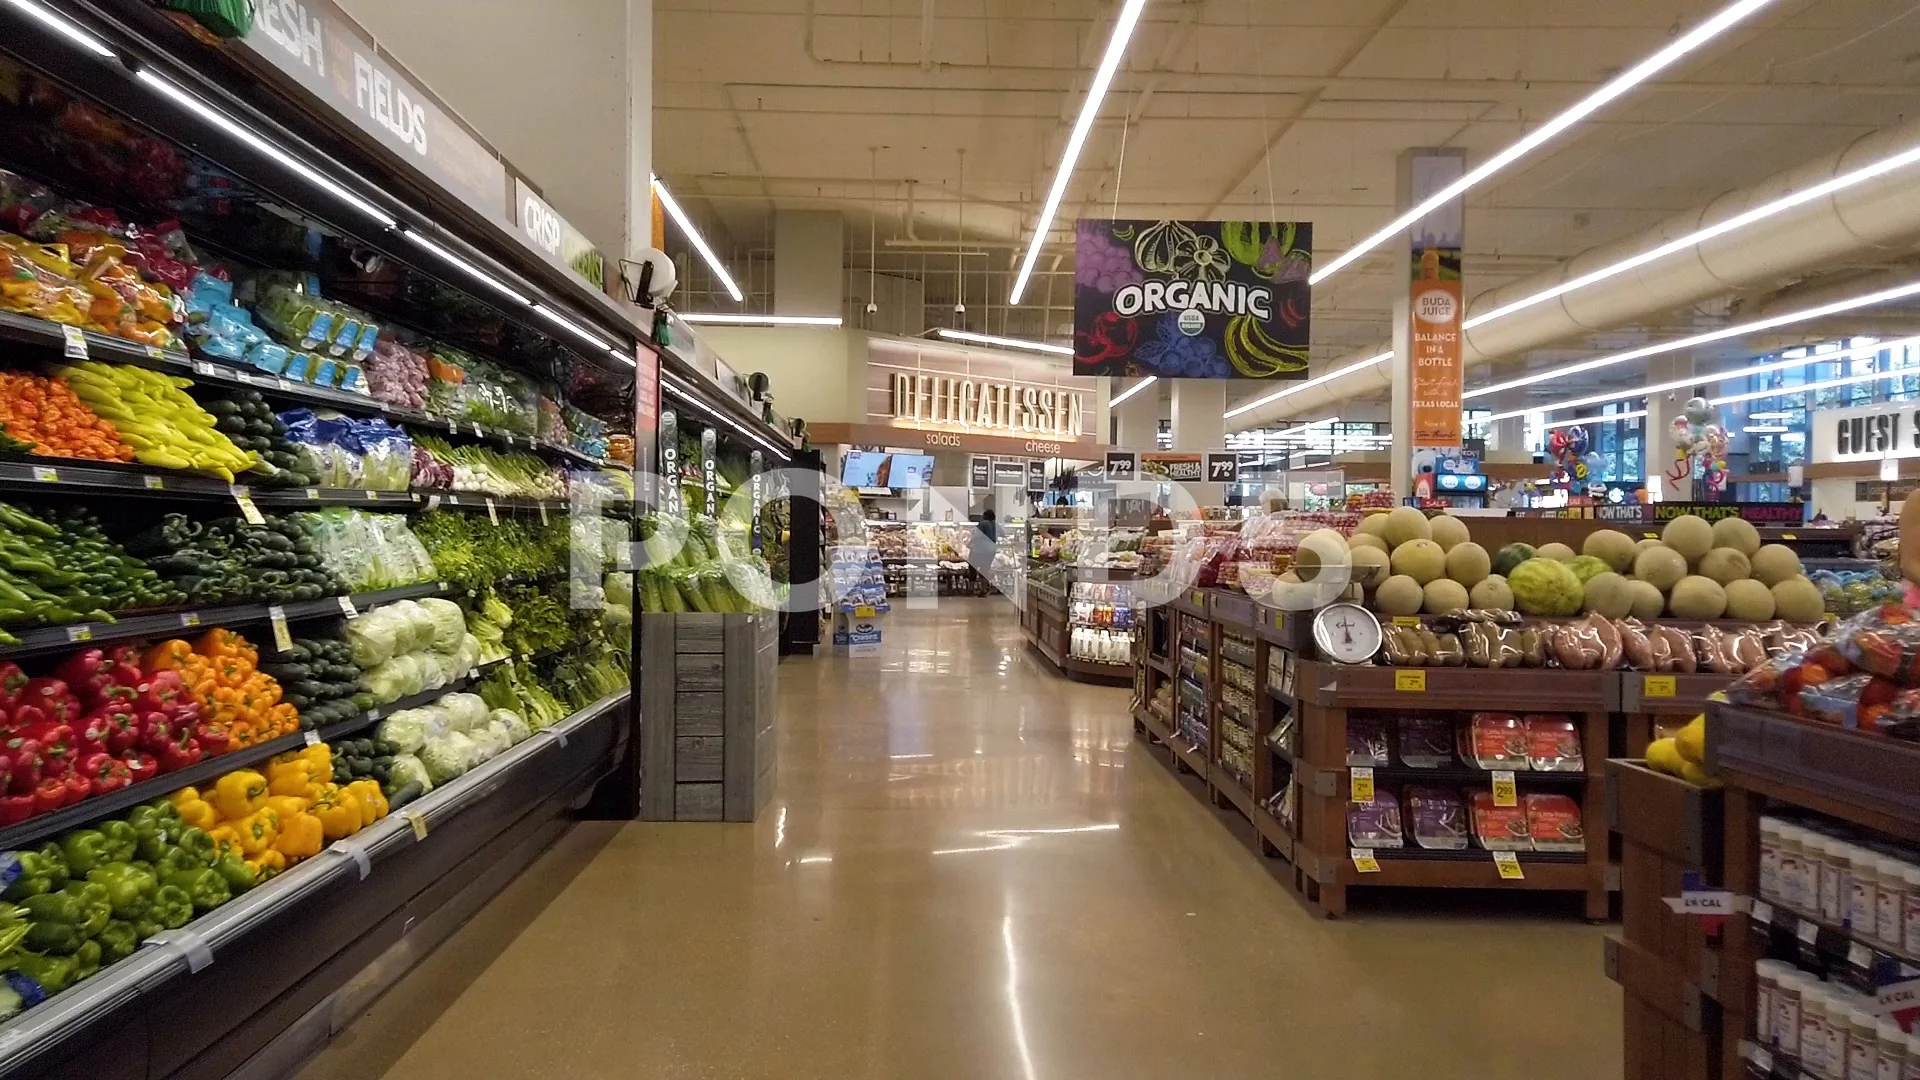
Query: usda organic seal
[1192, 322]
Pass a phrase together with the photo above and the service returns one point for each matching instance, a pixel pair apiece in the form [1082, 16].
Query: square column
[1136, 421]
[1662, 408]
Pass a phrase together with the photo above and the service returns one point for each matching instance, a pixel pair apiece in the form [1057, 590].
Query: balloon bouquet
[1579, 465]
[1697, 434]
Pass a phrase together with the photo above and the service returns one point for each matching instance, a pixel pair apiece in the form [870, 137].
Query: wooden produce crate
[706, 689]
[1669, 967]
[1656, 705]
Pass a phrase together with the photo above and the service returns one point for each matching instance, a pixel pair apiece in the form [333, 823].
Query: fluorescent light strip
[1134, 389]
[466, 267]
[1738, 221]
[1635, 415]
[1627, 80]
[1766, 429]
[66, 28]
[1701, 380]
[721, 414]
[1123, 28]
[1783, 415]
[1881, 297]
[1790, 391]
[246, 135]
[1010, 343]
[567, 324]
[699, 242]
[1309, 384]
[760, 320]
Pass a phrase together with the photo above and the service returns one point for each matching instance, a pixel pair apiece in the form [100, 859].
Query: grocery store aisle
[971, 871]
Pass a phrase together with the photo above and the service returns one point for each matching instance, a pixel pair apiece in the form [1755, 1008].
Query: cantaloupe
[1798, 600]
[1738, 534]
[1648, 602]
[1697, 597]
[1724, 564]
[1374, 525]
[1775, 563]
[1642, 545]
[1467, 563]
[1448, 531]
[1405, 523]
[1749, 601]
[1492, 592]
[1421, 560]
[1690, 535]
[1318, 550]
[1607, 594]
[1399, 595]
[1368, 540]
[1610, 546]
[1443, 595]
[1661, 567]
[1556, 552]
[1369, 567]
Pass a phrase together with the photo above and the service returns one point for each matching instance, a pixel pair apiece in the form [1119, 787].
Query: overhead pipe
[1880, 216]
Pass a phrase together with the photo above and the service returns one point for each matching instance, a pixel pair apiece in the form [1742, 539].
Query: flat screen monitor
[868, 468]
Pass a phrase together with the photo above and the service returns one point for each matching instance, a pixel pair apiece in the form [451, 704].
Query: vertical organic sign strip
[1192, 299]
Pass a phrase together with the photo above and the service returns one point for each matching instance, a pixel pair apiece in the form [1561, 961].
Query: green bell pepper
[176, 860]
[197, 843]
[155, 833]
[86, 960]
[54, 922]
[85, 849]
[235, 872]
[122, 840]
[53, 973]
[118, 940]
[207, 889]
[146, 926]
[96, 907]
[54, 862]
[172, 906]
[165, 808]
[129, 888]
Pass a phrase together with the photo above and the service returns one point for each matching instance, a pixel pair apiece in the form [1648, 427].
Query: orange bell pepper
[166, 656]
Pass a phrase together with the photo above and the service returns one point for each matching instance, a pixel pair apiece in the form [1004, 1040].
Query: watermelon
[1511, 557]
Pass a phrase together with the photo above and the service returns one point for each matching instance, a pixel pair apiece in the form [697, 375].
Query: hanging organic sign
[1192, 299]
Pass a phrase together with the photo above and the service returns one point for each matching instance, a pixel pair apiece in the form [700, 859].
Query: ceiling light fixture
[1627, 80]
[1738, 221]
[693, 235]
[1123, 28]
[1004, 342]
[1132, 390]
[1766, 429]
[1829, 384]
[1881, 296]
[570, 326]
[472, 271]
[65, 27]
[759, 320]
[1307, 385]
[1603, 418]
[721, 414]
[1781, 415]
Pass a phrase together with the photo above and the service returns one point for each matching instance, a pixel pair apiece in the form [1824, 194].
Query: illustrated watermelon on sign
[1192, 299]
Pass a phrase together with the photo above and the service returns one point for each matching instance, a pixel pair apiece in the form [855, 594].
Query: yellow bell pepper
[266, 864]
[373, 801]
[258, 831]
[320, 757]
[239, 794]
[226, 839]
[194, 810]
[300, 837]
[287, 806]
[339, 813]
[290, 777]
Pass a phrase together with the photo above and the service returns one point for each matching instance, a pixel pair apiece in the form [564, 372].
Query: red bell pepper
[12, 682]
[123, 727]
[179, 755]
[78, 787]
[140, 765]
[156, 731]
[7, 724]
[49, 795]
[85, 673]
[184, 713]
[15, 809]
[214, 739]
[23, 761]
[57, 746]
[26, 716]
[53, 696]
[161, 691]
[105, 773]
[95, 728]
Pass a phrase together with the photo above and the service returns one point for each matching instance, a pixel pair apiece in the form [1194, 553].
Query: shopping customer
[986, 540]
[1910, 548]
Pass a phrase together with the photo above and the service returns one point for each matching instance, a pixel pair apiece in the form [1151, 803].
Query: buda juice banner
[1192, 299]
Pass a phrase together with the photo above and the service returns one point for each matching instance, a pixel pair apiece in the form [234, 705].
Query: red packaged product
[1500, 828]
[1494, 741]
[1553, 822]
[1553, 743]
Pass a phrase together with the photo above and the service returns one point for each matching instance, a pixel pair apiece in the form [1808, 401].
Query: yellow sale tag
[1363, 861]
[1360, 785]
[282, 637]
[191, 618]
[79, 633]
[1199, 598]
[1657, 686]
[1789, 536]
[1414, 679]
[1505, 791]
[419, 823]
[1509, 866]
[244, 499]
[1406, 620]
[46, 475]
[865, 611]
[155, 483]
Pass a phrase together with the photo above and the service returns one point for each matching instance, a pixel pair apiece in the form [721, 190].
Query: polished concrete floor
[972, 870]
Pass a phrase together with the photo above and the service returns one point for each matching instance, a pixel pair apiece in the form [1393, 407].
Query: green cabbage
[410, 729]
[449, 623]
[516, 728]
[447, 757]
[407, 769]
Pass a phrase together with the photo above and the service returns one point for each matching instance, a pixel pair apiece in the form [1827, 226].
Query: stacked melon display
[1410, 563]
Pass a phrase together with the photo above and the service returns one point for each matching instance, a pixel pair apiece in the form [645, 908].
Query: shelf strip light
[468, 268]
[1728, 17]
[760, 320]
[1123, 28]
[1004, 342]
[65, 27]
[721, 414]
[1132, 390]
[699, 242]
[1882, 296]
[1606, 418]
[564, 323]
[1277, 395]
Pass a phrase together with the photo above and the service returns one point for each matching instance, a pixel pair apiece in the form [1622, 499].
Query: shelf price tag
[1808, 932]
[1761, 912]
[347, 608]
[1505, 790]
[1363, 860]
[433, 502]
[244, 499]
[543, 512]
[46, 474]
[79, 633]
[359, 856]
[1509, 866]
[191, 618]
[1413, 680]
[202, 368]
[75, 347]
[1360, 785]
[479, 432]
[282, 637]
[372, 495]
[1406, 620]
[155, 483]
[311, 738]
[1859, 956]
[493, 512]
[418, 822]
[1657, 686]
[155, 352]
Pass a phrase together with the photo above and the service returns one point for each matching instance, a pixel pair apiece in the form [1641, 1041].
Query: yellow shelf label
[1509, 866]
[282, 637]
[1363, 861]
[1360, 785]
[1506, 792]
[1406, 620]
[1657, 686]
[1411, 679]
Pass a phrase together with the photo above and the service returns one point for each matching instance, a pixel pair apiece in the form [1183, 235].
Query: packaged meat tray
[1554, 823]
[1495, 741]
[1426, 741]
[1375, 824]
[1367, 742]
[1553, 744]
[1500, 828]
[1437, 818]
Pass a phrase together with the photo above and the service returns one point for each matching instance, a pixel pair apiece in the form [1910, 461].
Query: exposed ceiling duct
[1879, 218]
